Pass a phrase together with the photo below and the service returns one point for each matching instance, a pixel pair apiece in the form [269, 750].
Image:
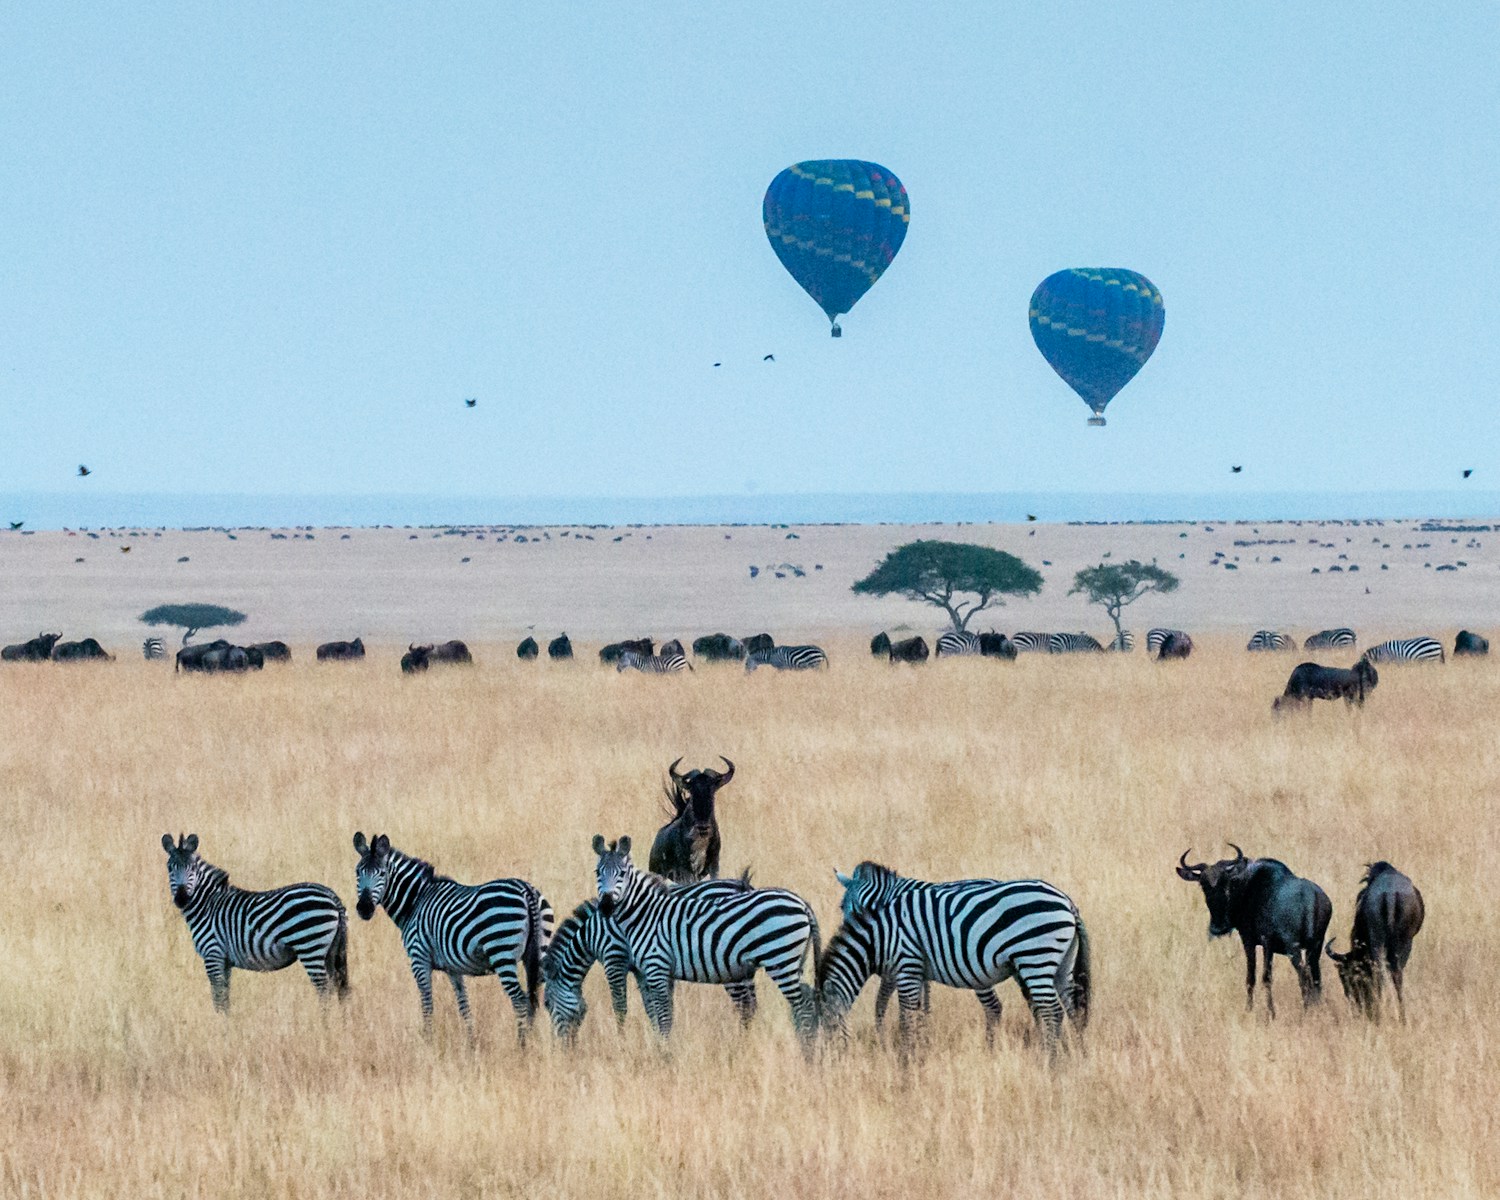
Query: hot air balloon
[836, 224]
[1097, 327]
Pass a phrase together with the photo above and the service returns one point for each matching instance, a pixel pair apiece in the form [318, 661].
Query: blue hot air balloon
[836, 224]
[1097, 327]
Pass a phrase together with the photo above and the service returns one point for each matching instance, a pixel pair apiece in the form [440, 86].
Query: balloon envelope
[1097, 327]
[836, 224]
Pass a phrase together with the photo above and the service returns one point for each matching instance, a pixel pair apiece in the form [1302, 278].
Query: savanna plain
[119, 1080]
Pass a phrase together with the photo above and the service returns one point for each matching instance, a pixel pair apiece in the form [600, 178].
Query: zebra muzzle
[365, 908]
[180, 897]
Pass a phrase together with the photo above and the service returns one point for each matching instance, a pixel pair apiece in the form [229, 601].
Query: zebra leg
[991, 1005]
[911, 986]
[656, 995]
[421, 971]
[1046, 1009]
[883, 999]
[619, 993]
[787, 976]
[461, 994]
[510, 980]
[218, 981]
[742, 994]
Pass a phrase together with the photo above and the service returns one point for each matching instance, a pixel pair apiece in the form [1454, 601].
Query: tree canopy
[958, 578]
[192, 617]
[1116, 585]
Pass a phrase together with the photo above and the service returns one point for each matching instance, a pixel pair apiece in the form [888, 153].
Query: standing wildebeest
[340, 651]
[254, 658]
[1470, 643]
[415, 659]
[611, 653]
[528, 650]
[1388, 912]
[80, 652]
[559, 648]
[687, 847]
[39, 649]
[272, 651]
[1175, 644]
[1268, 906]
[1309, 682]
[996, 645]
[718, 647]
[450, 652]
[759, 643]
[911, 650]
[880, 645]
[672, 649]
[212, 657]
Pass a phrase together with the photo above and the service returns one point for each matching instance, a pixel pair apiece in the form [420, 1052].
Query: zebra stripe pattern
[653, 664]
[788, 658]
[1031, 641]
[1403, 650]
[972, 935]
[1123, 642]
[1269, 639]
[1330, 639]
[154, 649]
[1072, 643]
[257, 931]
[675, 933]
[461, 930]
[1155, 637]
[957, 643]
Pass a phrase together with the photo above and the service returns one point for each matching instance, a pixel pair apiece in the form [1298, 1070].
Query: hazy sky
[273, 247]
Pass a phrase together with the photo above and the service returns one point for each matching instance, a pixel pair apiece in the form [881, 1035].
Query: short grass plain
[119, 1080]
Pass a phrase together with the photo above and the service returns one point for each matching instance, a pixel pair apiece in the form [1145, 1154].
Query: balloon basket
[1096, 419]
[835, 331]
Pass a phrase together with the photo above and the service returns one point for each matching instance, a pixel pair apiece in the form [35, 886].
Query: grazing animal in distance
[1073, 643]
[1309, 682]
[257, 931]
[528, 650]
[1269, 639]
[1123, 642]
[154, 649]
[956, 643]
[719, 647]
[1176, 645]
[672, 647]
[652, 664]
[1404, 650]
[788, 658]
[996, 645]
[1029, 641]
[559, 648]
[452, 652]
[1388, 914]
[1270, 908]
[459, 929]
[759, 643]
[686, 848]
[1470, 644]
[341, 651]
[611, 653]
[272, 651]
[415, 659]
[880, 645]
[1330, 639]
[213, 657]
[38, 649]
[909, 650]
[1155, 637]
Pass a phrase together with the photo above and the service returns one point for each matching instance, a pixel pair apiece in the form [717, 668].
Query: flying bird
[470, 402]
[14, 525]
[124, 549]
[718, 364]
[1468, 471]
[83, 470]
[1031, 516]
[1236, 470]
[769, 358]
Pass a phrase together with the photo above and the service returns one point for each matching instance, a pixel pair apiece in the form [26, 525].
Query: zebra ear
[167, 843]
[190, 843]
[623, 845]
[381, 844]
[360, 845]
[599, 846]
[846, 880]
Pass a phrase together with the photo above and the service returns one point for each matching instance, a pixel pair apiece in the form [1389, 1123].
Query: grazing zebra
[1269, 639]
[973, 935]
[788, 658]
[154, 649]
[675, 933]
[1155, 637]
[874, 886]
[1072, 643]
[653, 664]
[1123, 642]
[1330, 639]
[588, 937]
[1030, 641]
[960, 643]
[257, 931]
[484, 929]
[1399, 650]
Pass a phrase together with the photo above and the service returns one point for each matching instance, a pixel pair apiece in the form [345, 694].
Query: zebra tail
[1080, 987]
[338, 955]
[537, 936]
[817, 960]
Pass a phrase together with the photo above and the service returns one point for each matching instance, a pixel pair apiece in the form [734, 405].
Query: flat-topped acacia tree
[192, 617]
[959, 578]
[1114, 586]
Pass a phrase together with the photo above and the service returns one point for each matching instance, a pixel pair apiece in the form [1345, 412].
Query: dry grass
[121, 1081]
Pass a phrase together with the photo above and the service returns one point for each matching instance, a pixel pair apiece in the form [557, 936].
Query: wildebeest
[1309, 682]
[611, 653]
[83, 651]
[759, 643]
[1268, 906]
[254, 657]
[687, 847]
[528, 650]
[340, 651]
[38, 649]
[272, 651]
[880, 645]
[674, 647]
[1470, 643]
[213, 657]
[910, 650]
[415, 659]
[1388, 913]
[719, 647]
[560, 648]
[996, 645]
[1176, 644]
[444, 652]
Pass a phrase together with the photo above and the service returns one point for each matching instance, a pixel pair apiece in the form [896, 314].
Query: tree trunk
[191, 629]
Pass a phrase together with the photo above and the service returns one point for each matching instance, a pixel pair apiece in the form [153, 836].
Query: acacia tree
[1116, 585]
[192, 617]
[958, 578]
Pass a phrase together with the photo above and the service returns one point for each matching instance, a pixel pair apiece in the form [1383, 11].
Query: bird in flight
[1236, 470]
[83, 470]
[718, 364]
[470, 403]
[1468, 471]
[124, 549]
[14, 525]
[1031, 516]
[769, 358]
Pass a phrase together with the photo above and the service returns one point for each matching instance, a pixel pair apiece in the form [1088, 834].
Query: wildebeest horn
[1189, 870]
[1329, 950]
[672, 770]
[1239, 855]
[729, 774]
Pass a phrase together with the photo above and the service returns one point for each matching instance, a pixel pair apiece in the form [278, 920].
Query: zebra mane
[569, 930]
[425, 869]
[214, 877]
[872, 869]
[850, 933]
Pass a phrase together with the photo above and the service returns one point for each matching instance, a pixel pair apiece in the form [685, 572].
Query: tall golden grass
[119, 1080]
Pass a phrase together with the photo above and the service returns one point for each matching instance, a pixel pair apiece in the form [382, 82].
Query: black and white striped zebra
[788, 658]
[257, 931]
[456, 928]
[1330, 639]
[1405, 650]
[675, 933]
[1269, 639]
[1072, 643]
[956, 643]
[1155, 637]
[1031, 641]
[154, 649]
[653, 664]
[972, 935]
[1123, 642]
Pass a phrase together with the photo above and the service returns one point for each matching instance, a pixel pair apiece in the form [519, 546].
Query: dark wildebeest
[1309, 682]
[450, 652]
[39, 649]
[611, 653]
[672, 647]
[758, 643]
[254, 657]
[1388, 912]
[559, 648]
[528, 650]
[340, 651]
[687, 847]
[272, 651]
[1470, 644]
[195, 658]
[718, 647]
[1268, 906]
[83, 651]
[880, 645]
[996, 645]
[1175, 645]
[911, 650]
[415, 659]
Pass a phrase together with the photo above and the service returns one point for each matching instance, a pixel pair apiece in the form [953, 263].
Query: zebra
[971, 934]
[257, 931]
[788, 658]
[154, 648]
[674, 933]
[1399, 650]
[653, 664]
[588, 937]
[874, 886]
[1032, 641]
[1269, 639]
[1330, 639]
[483, 929]
[1123, 642]
[1155, 637]
[956, 643]
[1072, 643]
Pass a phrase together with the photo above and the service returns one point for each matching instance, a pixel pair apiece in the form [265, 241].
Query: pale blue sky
[271, 248]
